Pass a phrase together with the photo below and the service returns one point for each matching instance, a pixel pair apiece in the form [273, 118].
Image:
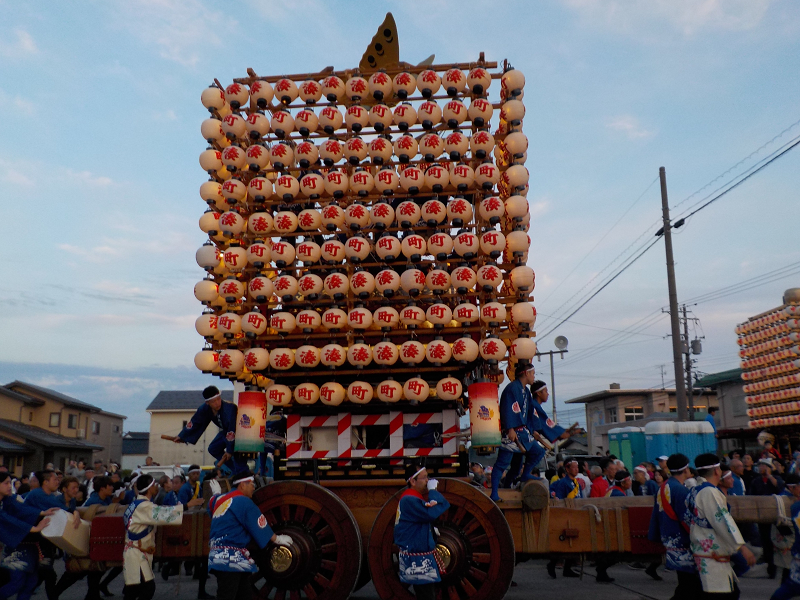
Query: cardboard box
[61, 531]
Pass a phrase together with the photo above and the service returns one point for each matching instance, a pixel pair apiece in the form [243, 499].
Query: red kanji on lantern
[307, 357]
[331, 82]
[229, 287]
[332, 317]
[492, 203]
[355, 144]
[450, 387]
[385, 352]
[407, 208]
[304, 148]
[331, 212]
[490, 273]
[380, 78]
[256, 284]
[283, 360]
[306, 283]
[459, 347]
[490, 347]
[463, 312]
[255, 151]
[232, 258]
[306, 219]
[280, 117]
[255, 320]
[416, 241]
[415, 386]
[405, 142]
[459, 206]
[357, 211]
[384, 278]
[250, 360]
[437, 310]
[410, 351]
[385, 176]
[403, 79]
[311, 183]
[284, 222]
[282, 283]
[439, 279]
[257, 249]
[434, 208]
[225, 361]
[384, 315]
[228, 219]
[231, 152]
[331, 248]
[358, 391]
[310, 87]
[283, 85]
[378, 144]
[482, 137]
[490, 311]
[453, 75]
[279, 150]
[333, 355]
[381, 210]
[388, 390]
[455, 106]
[464, 275]
[429, 76]
[276, 395]
[358, 85]
[432, 141]
[335, 281]
[486, 169]
[437, 351]
[358, 281]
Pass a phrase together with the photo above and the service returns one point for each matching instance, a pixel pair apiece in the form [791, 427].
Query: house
[40, 426]
[135, 449]
[733, 428]
[606, 409]
[169, 413]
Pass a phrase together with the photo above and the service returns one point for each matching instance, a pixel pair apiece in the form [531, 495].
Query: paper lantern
[330, 119]
[257, 125]
[332, 251]
[211, 192]
[429, 114]
[281, 359]
[492, 242]
[449, 388]
[211, 130]
[381, 215]
[492, 349]
[356, 88]
[431, 147]
[359, 392]
[516, 206]
[284, 322]
[306, 122]
[522, 348]
[388, 247]
[479, 80]
[282, 123]
[333, 355]
[440, 245]
[484, 415]
[235, 258]
[516, 177]
[387, 282]
[333, 217]
[454, 113]
[332, 393]
[312, 185]
[206, 325]
[407, 214]
[309, 219]
[233, 126]
[463, 279]
[283, 254]
[261, 94]
[433, 212]
[234, 191]
[516, 144]
[333, 88]
[385, 353]
[413, 247]
[412, 316]
[255, 323]
[428, 83]
[493, 312]
[334, 318]
[481, 144]
[285, 221]
[286, 188]
[412, 352]
[356, 118]
[454, 82]
[362, 182]
[211, 160]
[234, 158]
[359, 318]
[404, 84]
[362, 283]
[307, 357]
[512, 111]
[438, 280]
[232, 223]
[404, 115]
[336, 285]
[416, 389]
[380, 150]
[207, 256]
[231, 361]
[307, 154]
[308, 320]
[308, 252]
[386, 317]
[277, 395]
[456, 145]
[260, 289]
[380, 117]
[286, 91]
[462, 176]
[306, 393]
[466, 244]
[412, 180]
[359, 355]
[518, 242]
[437, 178]
[438, 352]
[213, 98]
[260, 223]
[310, 91]
[231, 289]
[439, 314]
[465, 350]
[206, 360]
[286, 287]
[522, 278]
[459, 212]
[490, 277]
[357, 215]
[389, 390]
[256, 359]
[412, 281]
[466, 313]
[512, 83]
[487, 175]
[405, 148]
[387, 181]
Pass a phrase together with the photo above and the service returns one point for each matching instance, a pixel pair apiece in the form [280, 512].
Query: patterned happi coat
[667, 525]
[140, 519]
[16, 520]
[236, 521]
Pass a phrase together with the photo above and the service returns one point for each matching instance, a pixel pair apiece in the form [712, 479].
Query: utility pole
[690, 403]
[674, 317]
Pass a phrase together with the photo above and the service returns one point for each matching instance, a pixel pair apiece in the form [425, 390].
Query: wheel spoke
[468, 588]
[479, 540]
[280, 594]
[299, 513]
[457, 518]
[329, 548]
[477, 574]
[285, 514]
[471, 527]
[309, 590]
[482, 557]
[328, 565]
[294, 595]
[322, 580]
[452, 593]
[324, 532]
[263, 593]
[313, 521]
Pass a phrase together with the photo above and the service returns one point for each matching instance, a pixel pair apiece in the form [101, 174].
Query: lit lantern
[412, 352]
[416, 389]
[206, 360]
[466, 244]
[387, 282]
[231, 361]
[428, 83]
[336, 285]
[380, 117]
[206, 325]
[281, 359]
[231, 223]
[356, 216]
[284, 322]
[466, 313]
[281, 155]
[433, 213]
[356, 88]
[257, 158]
[235, 258]
[492, 243]
[438, 352]
[439, 314]
[388, 247]
[211, 192]
[285, 221]
[307, 357]
[516, 177]
[491, 209]
[359, 355]
[487, 175]
[412, 316]
[234, 191]
[456, 145]
[260, 190]
[464, 279]
[512, 111]
[333, 88]
[481, 144]
[286, 91]
[330, 119]
[523, 278]
[307, 154]
[211, 160]
[462, 176]
[479, 80]
[308, 252]
[465, 350]
[362, 182]
[359, 392]
[492, 349]
[449, 388]
[278, 395]
[440, 245]
[310, 91]
[306, 122]
[211, 130]
[386, 317]
[234, 127]
[257, 125]
[332, 393]
[522, 348]
[493, 312]
[517, 206]
[413, 247]
[362, 283]
[459, 211]
[389, 390]
[231, 289]
[309, 219]
[490, 277]
[387, 181]
[381, 215]
[484, 415]
[260, 289]
[359, 318]
[261, 94]
[334, 318]
[256, 359]
[333, 217]
[437, 178]
[286, 188]
[454, 113]
[512, 83]
[405, 148]
[333, 355]
[207, 256]
[380, 150]
[255, 323]
[234, 158]
[259, 255]
[431, 146]
[518, 241]
[283, 254]
[213, 98]
[523, 316]
[336, 185]
[356, 118]
[404, 84]
[286, 287]
[412, 281]
[429, 114]
[438, 281]
[282, 123]
[332, 251]
[407, 214]
[385, 353]
[306, 393]
[312, 186]
[516, 144]
[309, 320]
[404, 116]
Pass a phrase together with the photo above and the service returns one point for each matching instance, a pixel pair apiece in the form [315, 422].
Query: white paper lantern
[359, 392]
[257, 125]
[287, 187]
[281, 359]
[306, 393]
[307, 357]
[438, 352]
[285, 221]
[356, 118]
[213, 98]
[359, 318]
[333, 88]
[512, 111]
[308, 252]
[332, 251]
[332, 393]
[282, 123]
[333, 355]
[479, 80]
[234, 191]
[211, 192]
[389, 390]
[257, 158]
[449, 388]
[336, 284]
[416, 389]
[492, 242]
[407, 214]
[234, 127]
[439, 314]
[260, 289]
[413, 247]
[466, 244]
[231, 223]
[412, 281]
[404, 84]
[381, 215]
[487, 175]
[481, 144]
[278, 395]
[309, 219]
[437, 178]
[306, 122]
[516, 206]
[380, 117]
[362, 283]
[404, 116]
[283, 254]
[412, 352]
[231, 361]
[255, 323]
[454, 113]
[312, 185]
[465, 349]
[522, 278]
[234, 158]
[362, 182]
[256, 359]
[405, 148]
[459, 212]
[307, 154]
[490, 276]
[359, 355]
[211, 160]
[284, 322]
[429, 114]
[462, 176]
[412, 316]
[518, 241]
[261, 94]
[336, 185]
[386, 316]
[310, 91]
[464, 279]
[387, 181]
[454, 82]
[333, 217]
[308, 320]
[493, 312]
[433, 212]
[440, 245]
[466, 313]
[522, 348]
[356, 216]
[356, 88]
[380, 150]
[387, 282]
[431, 147]
[231, 289]
[330, 119]
[211, 130]
[438, 280]
[207, 256]
[206, 360]
[206, 325]
[259, 255]
[235, 258]
[512, 83]
[516, 177]
[334, 318]
[285, 286]
[428, 83]
[492, 349]
[388, 247]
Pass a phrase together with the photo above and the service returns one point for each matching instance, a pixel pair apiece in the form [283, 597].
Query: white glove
[432, 483]
[284, 540]
[436, 531]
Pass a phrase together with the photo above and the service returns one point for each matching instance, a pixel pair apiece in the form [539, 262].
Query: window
[633, 413]
[673, 409]
[55, 419]
[116, 428]
[95, 427]
[612, 415]
[72, 421]
[30, 417]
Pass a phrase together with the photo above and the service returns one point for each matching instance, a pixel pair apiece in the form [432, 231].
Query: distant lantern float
[449, 388]
[360, 392]
[465, 350]
[484, 416]
[306, 393]
[404, 85]
[278, 395]
[389, 390]
[281, 359]
[416, 389]
[206, 360]
[307, 357]
[251, 421]
[332, 393]
[283, 322]
[333, 355]
[385, 353]
[254, 323]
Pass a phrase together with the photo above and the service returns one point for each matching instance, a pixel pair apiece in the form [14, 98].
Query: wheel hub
[454, 551]
[294, 566]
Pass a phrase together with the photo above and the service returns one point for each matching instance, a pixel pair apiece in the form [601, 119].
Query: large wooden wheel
[325, 559]
[474, 541]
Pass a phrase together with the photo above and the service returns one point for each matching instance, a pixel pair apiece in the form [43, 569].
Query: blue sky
[99, 172]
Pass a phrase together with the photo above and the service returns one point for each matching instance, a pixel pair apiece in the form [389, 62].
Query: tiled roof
[183, 399]
[22, 387]
[44, 437]
[9, 446]
[26, 400]
[136, 442]
[714, 379]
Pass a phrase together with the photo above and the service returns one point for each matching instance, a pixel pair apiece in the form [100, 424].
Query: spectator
[795, 466]
[601, 485]
[662, 464]
[642, 485]
[737, 483]
[710, 418]
[88, 481]
[770, 451]
[585, 479]
[766, 484]
[748, 473]
[99, 467]
[734, 455]
[76, 469]
[659, 477]
[478, 475]
[103, 492]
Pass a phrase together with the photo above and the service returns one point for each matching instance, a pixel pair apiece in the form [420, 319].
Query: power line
[748, 284]
[597, 326]
[643, 323]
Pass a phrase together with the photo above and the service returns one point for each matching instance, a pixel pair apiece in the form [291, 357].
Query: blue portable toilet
[659, 438]
[628, 444]
[691, 438]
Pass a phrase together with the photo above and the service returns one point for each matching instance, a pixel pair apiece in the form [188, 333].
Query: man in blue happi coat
[223, 415]
[564, 488]
[790, 584]
[515, 406]
[236, 523]
[540, 423]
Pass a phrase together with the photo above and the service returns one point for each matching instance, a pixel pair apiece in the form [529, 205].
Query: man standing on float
[223, 415]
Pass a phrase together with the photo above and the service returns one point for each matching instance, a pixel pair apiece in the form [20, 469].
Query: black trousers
[425, 592]
[94, 578]
[233, 586]
[734, 595]
[514, 470]
[689, 587]
[145, 590]
[765, 531]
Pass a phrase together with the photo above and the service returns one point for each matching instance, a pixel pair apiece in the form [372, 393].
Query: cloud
[111, 292]
[630, 126]
[96, 254]
[86, 178]
[21, 43]
[15, 104]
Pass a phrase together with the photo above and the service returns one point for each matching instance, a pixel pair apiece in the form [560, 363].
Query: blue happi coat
[96, 499]
[539, 421]
[225, 419]
[16, 520]
[566, 487]
[649, 488]
[38, 498]
[188, 492]
[667, 525]
[515, 407]
[235, 523]
[170, 499]
[413, 529]
[794, 571]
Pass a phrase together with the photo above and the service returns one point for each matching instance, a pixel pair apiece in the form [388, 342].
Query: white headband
[195, 471]
[147, 488]
[640, 468]
[213, 397]
[708, 467]
[238, 481]
[727, 474]
[417, 473]
[681, 469]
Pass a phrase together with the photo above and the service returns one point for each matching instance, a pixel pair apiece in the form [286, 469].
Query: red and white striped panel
[293, 433]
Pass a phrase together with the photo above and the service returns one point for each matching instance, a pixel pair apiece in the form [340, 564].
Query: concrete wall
[110, 437]
[131, 461]
[165, 452]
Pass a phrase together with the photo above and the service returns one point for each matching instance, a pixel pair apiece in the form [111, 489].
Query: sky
[99, 173]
